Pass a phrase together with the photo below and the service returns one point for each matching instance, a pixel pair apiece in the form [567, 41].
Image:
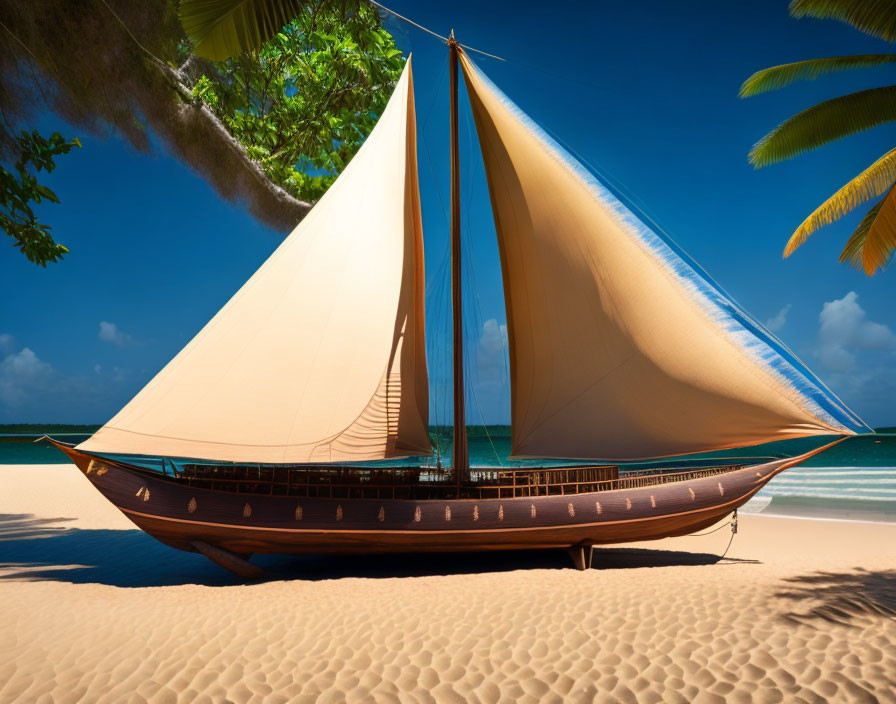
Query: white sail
[320, 356]
[619, 348]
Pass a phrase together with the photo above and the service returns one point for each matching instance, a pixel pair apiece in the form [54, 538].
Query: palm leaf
[220, 29]
[880, 242]
[824, 123]
[874, 17]
[780, 76]
[852, 252]
[871, 183]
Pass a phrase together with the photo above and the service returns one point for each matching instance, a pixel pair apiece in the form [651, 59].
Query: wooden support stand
[228, 560]
[581, 556]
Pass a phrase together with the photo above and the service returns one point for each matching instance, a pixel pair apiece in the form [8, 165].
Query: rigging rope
[435, 34]
[624, 194]
[471, 289]
[409, 21]
[437, 292]
[730, 540]
[732, 524]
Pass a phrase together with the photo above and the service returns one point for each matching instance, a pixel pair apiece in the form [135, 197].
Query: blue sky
[646, 93]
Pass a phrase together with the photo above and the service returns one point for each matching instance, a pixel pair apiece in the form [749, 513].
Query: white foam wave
[786, 481]
[821, 494]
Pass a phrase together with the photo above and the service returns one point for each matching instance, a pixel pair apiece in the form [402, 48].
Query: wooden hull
[184, 517]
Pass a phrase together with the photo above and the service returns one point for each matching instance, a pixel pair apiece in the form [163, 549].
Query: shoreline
[823, 519]
[821, 508]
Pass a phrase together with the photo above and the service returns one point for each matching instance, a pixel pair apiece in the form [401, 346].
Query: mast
[460, 458]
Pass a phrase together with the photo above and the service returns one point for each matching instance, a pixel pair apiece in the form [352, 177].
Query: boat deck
[420, 483]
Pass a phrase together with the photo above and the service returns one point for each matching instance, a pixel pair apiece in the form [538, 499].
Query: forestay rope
[429, 31]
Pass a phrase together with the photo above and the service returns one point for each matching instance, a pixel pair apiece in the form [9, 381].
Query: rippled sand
[93, 610]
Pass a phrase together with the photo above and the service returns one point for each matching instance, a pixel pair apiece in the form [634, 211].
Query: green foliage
[880, 238]
[852, 252]
[19, 188]
[826, 122]
[874, 17]
[220, 29]
[303, 105]
[126, 67]
[871, 183]
[779, 76]
[872, 244]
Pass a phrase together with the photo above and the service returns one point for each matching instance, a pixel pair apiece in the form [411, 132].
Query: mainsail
[320, 356]
[619, 347]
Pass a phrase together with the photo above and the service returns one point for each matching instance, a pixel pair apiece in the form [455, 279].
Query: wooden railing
[425, 483]
[634, 482]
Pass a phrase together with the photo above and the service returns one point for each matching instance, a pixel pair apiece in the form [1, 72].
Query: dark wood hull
[183, 516]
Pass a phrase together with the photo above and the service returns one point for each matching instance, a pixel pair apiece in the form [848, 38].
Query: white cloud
[858, 356]
[492, 373]
[25, 365]
[779, 319]
[6, 342]
[843, 331]
[492, 344]
[110, 333]
[21, 374]
[838, 360]
[875, 336]
[33, 391]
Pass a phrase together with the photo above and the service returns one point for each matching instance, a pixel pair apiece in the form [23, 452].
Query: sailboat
[620, 348]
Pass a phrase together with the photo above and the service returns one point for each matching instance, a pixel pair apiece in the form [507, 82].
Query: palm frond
[880, 242]
[871, 183]
[824, 123]
[220, 29]
[852, 252]
[785, 74]
[874, 17]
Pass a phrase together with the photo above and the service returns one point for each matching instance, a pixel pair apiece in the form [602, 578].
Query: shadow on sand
[841, 597]
[33, 548]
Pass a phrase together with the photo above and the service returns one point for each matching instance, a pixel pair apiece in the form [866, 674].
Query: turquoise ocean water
[854, 480]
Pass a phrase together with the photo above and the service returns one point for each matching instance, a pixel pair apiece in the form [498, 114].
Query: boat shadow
[44, 549]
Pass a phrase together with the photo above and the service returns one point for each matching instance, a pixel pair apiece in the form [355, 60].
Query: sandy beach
[92, 609]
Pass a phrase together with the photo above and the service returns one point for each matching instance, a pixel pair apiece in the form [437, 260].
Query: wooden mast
[460, 458]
